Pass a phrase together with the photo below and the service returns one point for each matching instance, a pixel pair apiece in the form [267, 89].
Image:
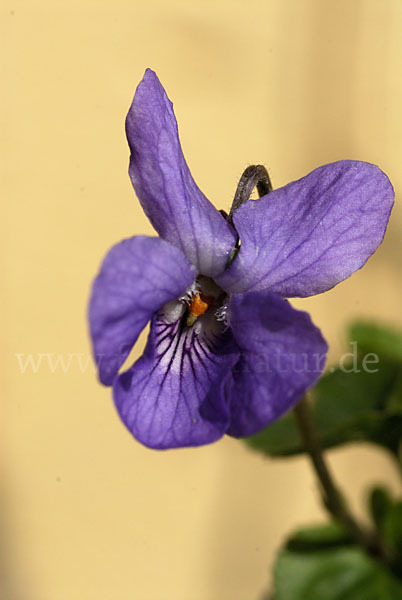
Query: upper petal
[137, 277]
[178, 210]
[173, 395]
[308, 236]
[282, 355]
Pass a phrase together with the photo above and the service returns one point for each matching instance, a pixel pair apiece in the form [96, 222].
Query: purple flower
[226, 352]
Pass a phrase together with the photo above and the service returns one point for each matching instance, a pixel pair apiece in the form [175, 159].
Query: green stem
[332, 497]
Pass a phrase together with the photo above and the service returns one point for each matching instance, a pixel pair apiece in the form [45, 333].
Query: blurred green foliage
[321, 563]
[359, 400]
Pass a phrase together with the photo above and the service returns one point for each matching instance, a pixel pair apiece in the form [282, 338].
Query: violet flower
[226, 352]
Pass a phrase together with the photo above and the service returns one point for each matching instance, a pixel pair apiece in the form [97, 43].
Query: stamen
[189, 294]
[202, 295]
[199, 305]
[221, 313]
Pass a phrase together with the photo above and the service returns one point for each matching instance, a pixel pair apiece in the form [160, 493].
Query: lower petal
[282, 355]
[173, 395]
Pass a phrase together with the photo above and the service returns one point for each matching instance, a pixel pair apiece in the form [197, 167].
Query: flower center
[203, 295]
[199, 305]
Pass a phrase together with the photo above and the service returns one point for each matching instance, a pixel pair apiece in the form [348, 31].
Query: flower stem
[332, 497]
[254, 176]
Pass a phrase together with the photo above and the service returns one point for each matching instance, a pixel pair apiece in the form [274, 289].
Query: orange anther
[198, 306]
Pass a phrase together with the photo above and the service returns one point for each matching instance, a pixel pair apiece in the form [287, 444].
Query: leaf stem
[332, 497]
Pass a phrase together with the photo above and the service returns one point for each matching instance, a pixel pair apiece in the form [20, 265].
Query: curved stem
[254, 176]
[332, 497]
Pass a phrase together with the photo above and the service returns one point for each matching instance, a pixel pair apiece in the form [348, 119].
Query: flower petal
[308, 236]
[282, 355]
[173, 395]
[137, 277]
[178, 210]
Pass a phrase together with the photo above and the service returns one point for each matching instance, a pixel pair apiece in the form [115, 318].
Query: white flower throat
[181, 332]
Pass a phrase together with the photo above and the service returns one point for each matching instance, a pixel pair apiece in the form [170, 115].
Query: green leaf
[375, 338]
[358, 401]
[394, 401]
[319, 537]
[392, 528]
[347, 407]
[385, 343]
[340, 573]
[380, 503]
[282, 438]
[353, 406]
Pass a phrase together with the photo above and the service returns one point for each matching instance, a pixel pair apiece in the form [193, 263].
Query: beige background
[86, 512]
